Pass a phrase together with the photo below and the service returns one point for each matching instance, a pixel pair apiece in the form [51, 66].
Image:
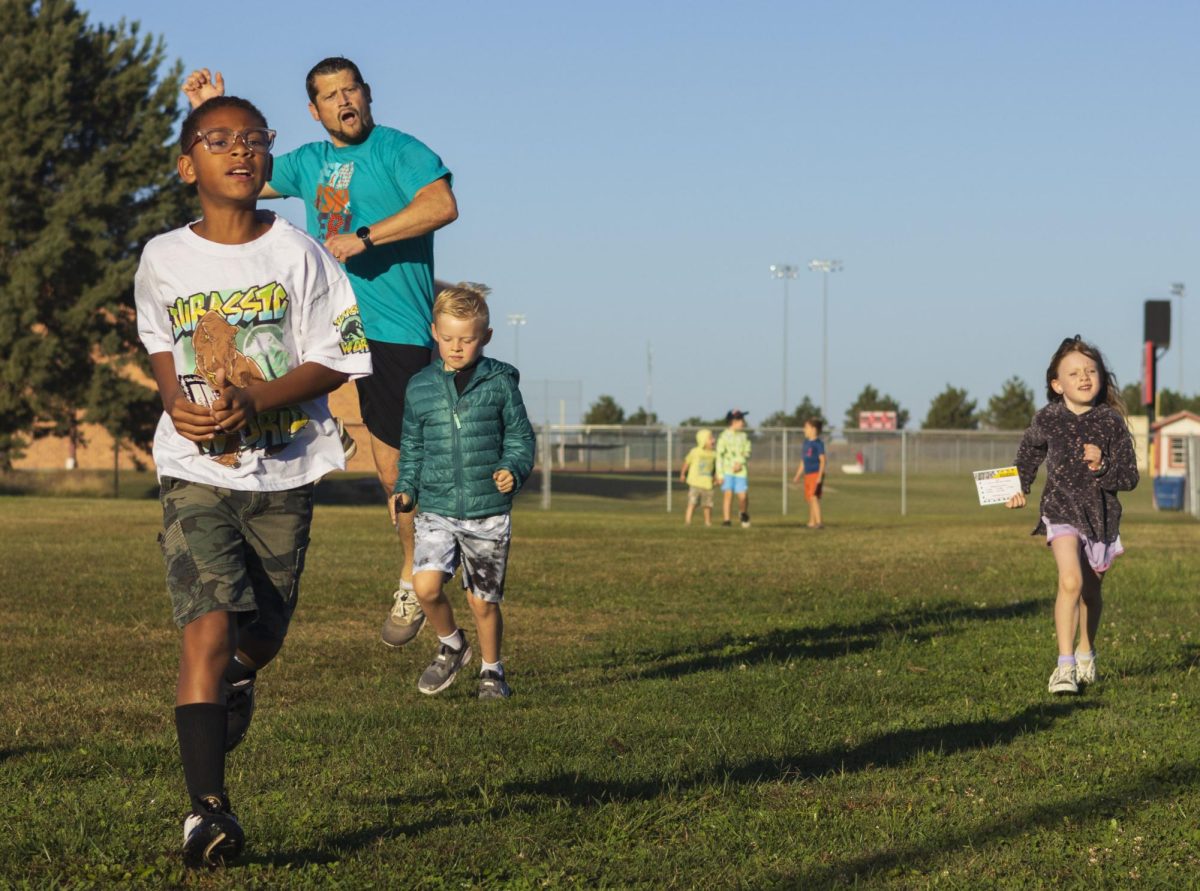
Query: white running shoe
[1063, 680]
[1085, 668]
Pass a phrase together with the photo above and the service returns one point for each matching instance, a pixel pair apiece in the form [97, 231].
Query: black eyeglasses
[220, 140]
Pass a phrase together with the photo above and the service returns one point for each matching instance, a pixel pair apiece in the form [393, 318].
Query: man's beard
[354, 139]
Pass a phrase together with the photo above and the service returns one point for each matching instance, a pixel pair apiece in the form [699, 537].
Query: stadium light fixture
[1178, 289]
[786, 272]
[825, 267]
[516, 320]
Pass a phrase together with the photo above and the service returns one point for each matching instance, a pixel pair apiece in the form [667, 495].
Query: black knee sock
[201, 730]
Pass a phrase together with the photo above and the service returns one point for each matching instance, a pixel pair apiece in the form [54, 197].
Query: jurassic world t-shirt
[256, 310]
[350, 186]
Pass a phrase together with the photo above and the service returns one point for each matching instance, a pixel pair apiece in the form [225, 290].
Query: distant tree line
[1010, 409]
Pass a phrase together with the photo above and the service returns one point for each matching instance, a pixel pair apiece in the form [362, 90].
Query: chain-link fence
[617, 450]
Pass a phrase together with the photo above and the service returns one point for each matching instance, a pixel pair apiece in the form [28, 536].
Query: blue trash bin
[1168, 492]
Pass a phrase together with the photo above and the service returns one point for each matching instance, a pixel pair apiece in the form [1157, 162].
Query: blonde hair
[466, 300]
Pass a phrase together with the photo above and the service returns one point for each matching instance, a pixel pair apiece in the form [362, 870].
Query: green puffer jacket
[452, 444]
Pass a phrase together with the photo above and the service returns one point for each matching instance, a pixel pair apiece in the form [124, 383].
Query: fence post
[547, 460]
[670, 470]
[784, 478]
[904, 473]
[1193, 476]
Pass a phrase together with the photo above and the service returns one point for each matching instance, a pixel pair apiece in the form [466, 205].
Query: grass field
[773, 707]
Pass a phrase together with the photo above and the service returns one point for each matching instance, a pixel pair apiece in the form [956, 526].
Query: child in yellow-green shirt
[699, 472]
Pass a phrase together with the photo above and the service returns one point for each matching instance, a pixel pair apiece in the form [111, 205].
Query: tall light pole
[825, 267]
[786, 272]
[1179, 290]
[516, 319]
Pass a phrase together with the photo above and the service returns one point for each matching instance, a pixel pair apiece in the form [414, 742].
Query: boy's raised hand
[234, 407]
[504, 480]
[201, 85]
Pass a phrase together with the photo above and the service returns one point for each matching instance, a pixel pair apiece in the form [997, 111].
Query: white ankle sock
[497, 667]
[454, 640]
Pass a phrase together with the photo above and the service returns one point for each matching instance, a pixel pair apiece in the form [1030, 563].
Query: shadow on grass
[622, 486]
[932, 851]
[357, 489]
[19, 751]
[820, 642]
[888, 750]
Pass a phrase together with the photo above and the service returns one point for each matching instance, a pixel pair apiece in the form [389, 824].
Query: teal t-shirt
[359, 185]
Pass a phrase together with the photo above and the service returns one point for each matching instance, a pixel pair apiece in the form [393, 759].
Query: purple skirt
[1100, 556]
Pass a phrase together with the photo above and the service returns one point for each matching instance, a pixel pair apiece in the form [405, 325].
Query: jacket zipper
[452, 395]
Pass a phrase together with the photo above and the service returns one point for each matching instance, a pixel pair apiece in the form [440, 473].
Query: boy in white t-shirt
[249, 323]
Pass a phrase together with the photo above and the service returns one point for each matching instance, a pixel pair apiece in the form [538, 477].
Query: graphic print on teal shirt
[346, 187]
[334, 214]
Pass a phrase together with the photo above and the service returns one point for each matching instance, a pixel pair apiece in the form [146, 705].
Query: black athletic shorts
[381, 394]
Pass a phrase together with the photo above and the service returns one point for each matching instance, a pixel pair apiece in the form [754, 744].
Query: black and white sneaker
[493, 686]
[745, 521]
[212, 837]
[239, 709]
[444, 668]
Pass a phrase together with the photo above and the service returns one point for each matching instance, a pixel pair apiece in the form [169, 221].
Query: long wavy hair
[1110, 393]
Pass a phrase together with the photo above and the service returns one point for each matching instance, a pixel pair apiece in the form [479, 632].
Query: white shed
[1170, 442]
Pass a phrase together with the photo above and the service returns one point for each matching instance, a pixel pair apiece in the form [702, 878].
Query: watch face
[363, 232]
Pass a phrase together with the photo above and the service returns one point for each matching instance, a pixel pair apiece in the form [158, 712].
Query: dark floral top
[1074, 494]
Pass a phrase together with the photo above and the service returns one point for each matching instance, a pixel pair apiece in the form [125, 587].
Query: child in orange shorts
[812, 468]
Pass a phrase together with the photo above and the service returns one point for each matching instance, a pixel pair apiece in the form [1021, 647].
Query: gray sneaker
[1063, 680]
[444, 668]
[404, 621]
[493, 686]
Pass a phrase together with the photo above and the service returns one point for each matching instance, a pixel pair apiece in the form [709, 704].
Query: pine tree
[642, 418]
[87, 170]
[1012, 408]
[805, 411]
[870, 399]
[951, 410]
[604, 411]
[1132, 395]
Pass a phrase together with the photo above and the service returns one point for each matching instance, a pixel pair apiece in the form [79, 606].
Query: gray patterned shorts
[442, 543]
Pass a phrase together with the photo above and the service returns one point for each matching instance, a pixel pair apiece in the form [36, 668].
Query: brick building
[52, 452]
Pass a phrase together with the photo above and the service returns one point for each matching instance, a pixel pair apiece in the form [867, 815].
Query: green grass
[772, 707]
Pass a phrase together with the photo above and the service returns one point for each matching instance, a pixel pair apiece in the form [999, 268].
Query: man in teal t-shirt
[374, 196]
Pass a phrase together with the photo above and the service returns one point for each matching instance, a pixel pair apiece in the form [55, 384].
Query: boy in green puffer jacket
[466, 450]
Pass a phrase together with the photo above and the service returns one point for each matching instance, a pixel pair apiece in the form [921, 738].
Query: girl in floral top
[1083, 438]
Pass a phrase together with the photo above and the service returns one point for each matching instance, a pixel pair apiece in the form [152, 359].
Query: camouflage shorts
[235, 551]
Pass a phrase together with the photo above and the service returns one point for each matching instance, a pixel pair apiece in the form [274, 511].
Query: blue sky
[994, 177]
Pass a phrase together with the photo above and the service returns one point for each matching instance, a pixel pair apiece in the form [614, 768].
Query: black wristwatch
[364, 232]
